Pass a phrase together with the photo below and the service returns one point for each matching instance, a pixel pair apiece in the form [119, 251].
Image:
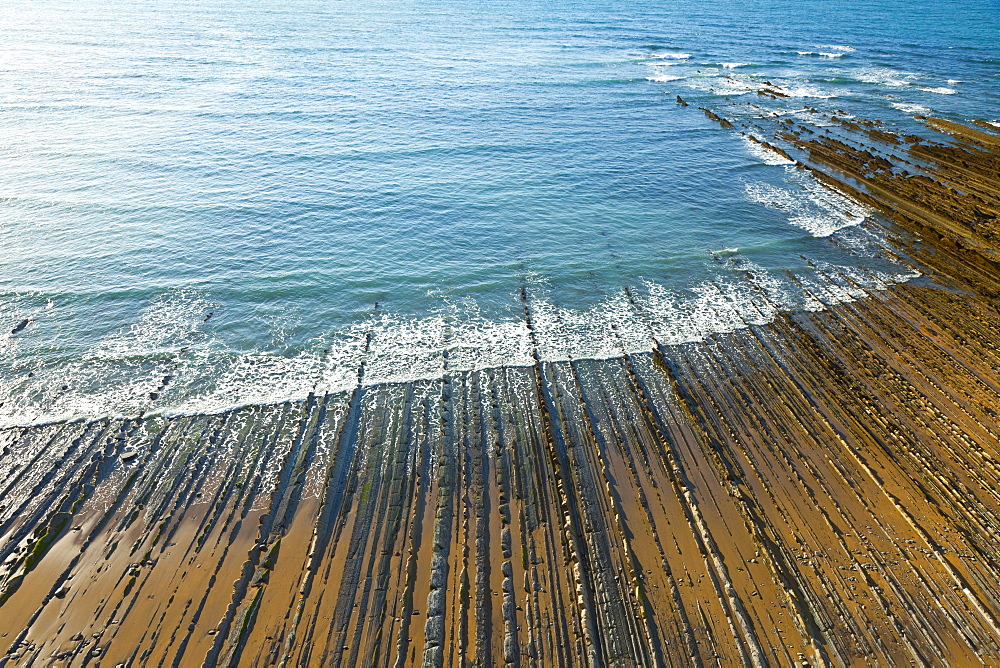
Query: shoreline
[841, 286]
[700, 499]
[819, 490]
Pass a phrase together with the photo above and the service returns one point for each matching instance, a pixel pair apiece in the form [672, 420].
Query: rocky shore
[821, 490]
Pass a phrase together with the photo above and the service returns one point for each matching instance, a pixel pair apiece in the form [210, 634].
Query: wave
[833, 51]
[741, 84]
[910, 108]
[719, 85]
[940, 90]
[886, 77]
[663, 78]
[169, 363]
[805, 90]
[810, 205]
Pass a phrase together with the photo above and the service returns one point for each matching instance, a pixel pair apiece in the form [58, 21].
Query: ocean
[213, 204]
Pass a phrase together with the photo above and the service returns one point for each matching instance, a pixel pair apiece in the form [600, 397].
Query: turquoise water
[215, 203]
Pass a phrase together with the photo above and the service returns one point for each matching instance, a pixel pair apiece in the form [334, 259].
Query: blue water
[214, 203]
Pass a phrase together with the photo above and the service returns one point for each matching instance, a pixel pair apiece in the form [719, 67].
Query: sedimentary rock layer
[822, 490]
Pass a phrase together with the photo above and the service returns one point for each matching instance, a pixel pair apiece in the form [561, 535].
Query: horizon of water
[205, 205]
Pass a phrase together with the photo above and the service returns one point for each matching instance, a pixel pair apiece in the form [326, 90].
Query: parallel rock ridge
[823, 490]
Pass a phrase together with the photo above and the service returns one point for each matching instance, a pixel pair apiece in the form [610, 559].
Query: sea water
[207, 204]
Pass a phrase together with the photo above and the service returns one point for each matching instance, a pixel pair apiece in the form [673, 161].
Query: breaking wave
[810, 205]
[170, 362]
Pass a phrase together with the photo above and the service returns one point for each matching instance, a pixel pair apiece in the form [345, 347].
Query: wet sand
[821, 490]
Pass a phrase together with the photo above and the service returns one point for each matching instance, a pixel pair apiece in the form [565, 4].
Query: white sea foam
[833, 284]
[764, 154]
[883, 76]
[940, 90]
[664, 71]
[720, 85]
[604, 331]
[733, 66]
[832, 51]
[12, 313]
[788, 87]
[663, 77]
[910, 108]
[214, 383]
[723, 304]
[170, 339]
[165, 327]
[952, 82]
[666, 55]
[804, 90]
[118, 375]
[814, 207]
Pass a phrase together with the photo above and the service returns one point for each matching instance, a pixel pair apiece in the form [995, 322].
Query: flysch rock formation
[820, 490]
